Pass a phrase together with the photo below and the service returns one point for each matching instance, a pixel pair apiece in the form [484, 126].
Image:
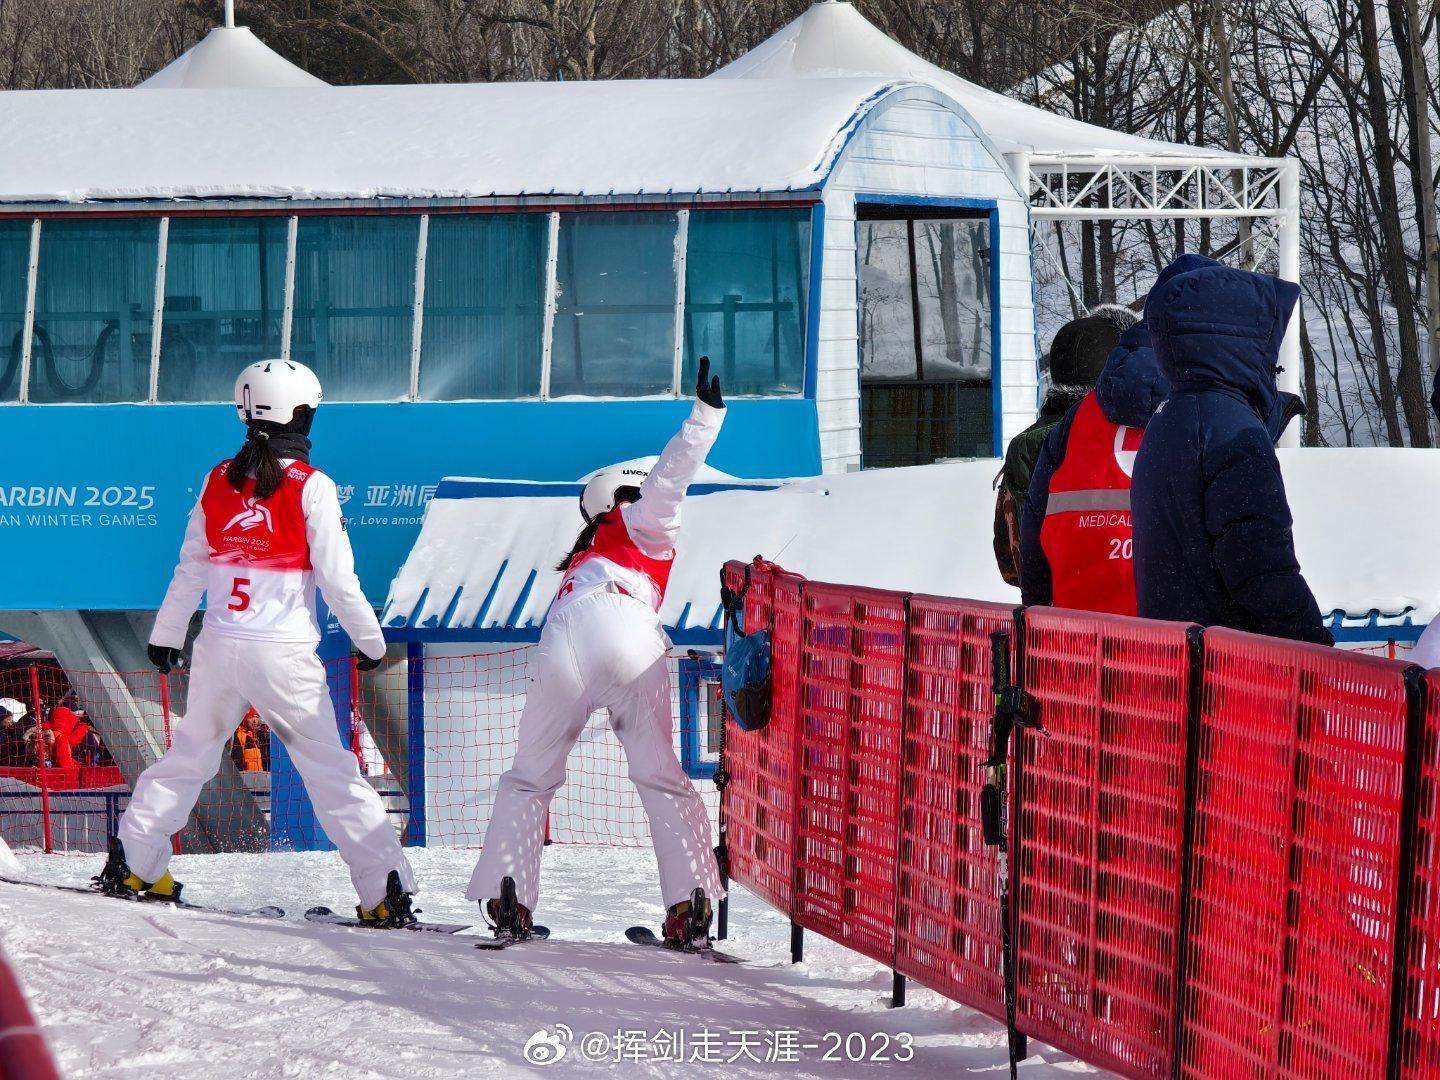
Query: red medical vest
[1087, 534]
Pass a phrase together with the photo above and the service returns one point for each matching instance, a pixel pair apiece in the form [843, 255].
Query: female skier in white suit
[265, 532]
[603, 647]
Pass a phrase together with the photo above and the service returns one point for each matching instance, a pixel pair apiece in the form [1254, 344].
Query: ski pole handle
[999, 663]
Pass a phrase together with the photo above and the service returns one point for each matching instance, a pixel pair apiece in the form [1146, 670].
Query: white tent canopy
[833, 39]
[230, 57]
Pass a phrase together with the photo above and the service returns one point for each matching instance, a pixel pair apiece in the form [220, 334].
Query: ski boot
[687, 924]
[394, 911]
[507, 916]
[117, 880]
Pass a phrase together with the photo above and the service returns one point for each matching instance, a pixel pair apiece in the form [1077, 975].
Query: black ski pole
[995, 823]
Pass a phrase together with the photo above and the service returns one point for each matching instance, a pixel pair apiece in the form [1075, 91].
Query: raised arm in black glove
[366, 663]
[706, 388]
[165, 658]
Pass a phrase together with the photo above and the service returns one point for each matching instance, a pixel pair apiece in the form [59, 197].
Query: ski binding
[495, 944]
[643, 935]
[326, 917]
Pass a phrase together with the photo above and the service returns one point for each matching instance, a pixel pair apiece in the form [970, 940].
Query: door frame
[909, 208]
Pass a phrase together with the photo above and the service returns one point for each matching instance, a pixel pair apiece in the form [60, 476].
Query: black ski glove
[706, 388]
[366, 663]
[165, 658]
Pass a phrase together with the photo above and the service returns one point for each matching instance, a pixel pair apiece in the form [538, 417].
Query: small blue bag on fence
[745, 674]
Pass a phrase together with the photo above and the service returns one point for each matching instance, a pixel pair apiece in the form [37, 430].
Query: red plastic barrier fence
[759, 798]
[1292, 915]
[1101, 793]
[947, 922]
[851, 703]
[1420, 1015]
[1222, 844]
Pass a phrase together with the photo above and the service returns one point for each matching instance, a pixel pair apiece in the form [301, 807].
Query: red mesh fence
[101, 728]
[759, 798]
[851, 703]
[948, 908]
[1101, 828]
[1297, 836]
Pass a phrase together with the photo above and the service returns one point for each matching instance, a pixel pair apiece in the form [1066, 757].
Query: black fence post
[897, 982]
[1195, 648]
[1416, 694]
[1021, 1045]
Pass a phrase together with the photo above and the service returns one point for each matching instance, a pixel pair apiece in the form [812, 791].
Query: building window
[702, 715]
[614, 331]
[746, 284]
[94, 301]
[926, 324]
[14, 275]
[484, 308]
[340, 290]
[355, 303]
[224, 303]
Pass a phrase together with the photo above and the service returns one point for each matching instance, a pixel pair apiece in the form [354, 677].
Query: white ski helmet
[600, 490]
[13, 707]
[273, 389]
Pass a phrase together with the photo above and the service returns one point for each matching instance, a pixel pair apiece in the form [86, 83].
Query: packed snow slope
[126, 989]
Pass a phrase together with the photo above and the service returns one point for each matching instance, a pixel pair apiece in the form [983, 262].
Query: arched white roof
[229, 56]
[618, 138]
[832, 40]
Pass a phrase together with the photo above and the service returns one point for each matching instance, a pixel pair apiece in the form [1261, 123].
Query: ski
[537, 933]
[267, 911]
[326, 917]
[643, 935]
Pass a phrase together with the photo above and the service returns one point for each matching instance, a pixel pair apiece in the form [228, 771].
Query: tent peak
[229, 56]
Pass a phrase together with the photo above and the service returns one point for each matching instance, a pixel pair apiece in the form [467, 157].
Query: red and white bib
[614, 559]
[260, 583]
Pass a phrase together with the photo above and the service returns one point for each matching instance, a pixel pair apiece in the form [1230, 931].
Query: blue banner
[93, 499]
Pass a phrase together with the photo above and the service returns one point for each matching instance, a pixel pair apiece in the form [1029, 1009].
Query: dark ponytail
[623, 495]
[582, 544]
[256, 458]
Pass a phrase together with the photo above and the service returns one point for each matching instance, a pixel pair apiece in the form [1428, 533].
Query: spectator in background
[39, 742]
[1213, 541]
[245, 750]
[68, 731]
[13, 729]
[1076, 540]
[1077, 354]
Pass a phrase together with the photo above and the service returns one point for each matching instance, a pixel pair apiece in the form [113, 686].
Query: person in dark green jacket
[1077, 356]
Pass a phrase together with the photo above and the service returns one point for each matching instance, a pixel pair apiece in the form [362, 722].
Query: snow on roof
[485, 555]
[631, 137]
[229, 56]
[833, 39]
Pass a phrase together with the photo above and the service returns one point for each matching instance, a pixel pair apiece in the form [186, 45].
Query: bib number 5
[240, 594]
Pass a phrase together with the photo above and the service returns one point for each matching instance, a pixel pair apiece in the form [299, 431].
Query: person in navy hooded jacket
[1213, 541]
[1074, 551]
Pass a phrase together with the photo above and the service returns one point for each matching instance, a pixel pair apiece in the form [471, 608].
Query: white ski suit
[603, 647]
[259, 564]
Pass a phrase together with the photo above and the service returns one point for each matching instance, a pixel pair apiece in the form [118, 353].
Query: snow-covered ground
[122, 988]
